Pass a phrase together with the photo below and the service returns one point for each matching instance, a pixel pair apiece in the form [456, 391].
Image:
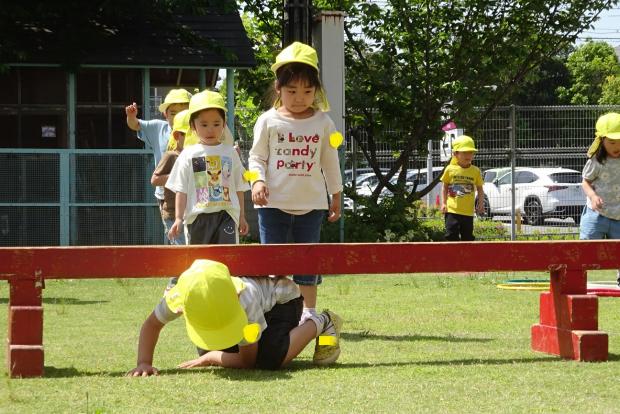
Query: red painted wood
[577, 345]
[25, 325]
[564, 281]
[570, 311]
[25, 291]
[329, 259]
[25, 361]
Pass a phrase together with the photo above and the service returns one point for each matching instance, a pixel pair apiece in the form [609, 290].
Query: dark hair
[193, 117]
[601, 152]
[297, 71]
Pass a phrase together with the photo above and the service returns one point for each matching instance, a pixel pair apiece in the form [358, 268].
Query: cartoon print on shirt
[460, 190]
[214, 171]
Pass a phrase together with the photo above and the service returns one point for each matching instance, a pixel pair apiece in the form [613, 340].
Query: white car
[539, 193]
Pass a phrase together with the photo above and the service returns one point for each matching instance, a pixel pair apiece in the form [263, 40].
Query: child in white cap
[461, 181]
[237, 322]
[295, 164]
[601, 183]
[156, 132]
[208, 179]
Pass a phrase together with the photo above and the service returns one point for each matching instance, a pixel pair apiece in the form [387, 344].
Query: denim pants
[274, 226]
[595, 227]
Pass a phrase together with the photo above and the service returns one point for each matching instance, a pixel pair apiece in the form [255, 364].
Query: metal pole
[512, 133]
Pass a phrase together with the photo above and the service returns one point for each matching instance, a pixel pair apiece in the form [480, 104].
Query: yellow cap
[206, 100]
[296, 52]
[175, 96]
[181, 122]
[207, 296]
[464, 143]
[607, 126]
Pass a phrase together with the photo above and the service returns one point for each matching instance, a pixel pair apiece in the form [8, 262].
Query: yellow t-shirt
[462, 183]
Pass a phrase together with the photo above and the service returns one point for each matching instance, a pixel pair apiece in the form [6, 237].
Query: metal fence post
[512, 130]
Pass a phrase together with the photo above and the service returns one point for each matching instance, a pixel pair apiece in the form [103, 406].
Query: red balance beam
[564, 312]
[260, 260]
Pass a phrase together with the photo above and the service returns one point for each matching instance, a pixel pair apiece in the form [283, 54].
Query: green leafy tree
[589, 65]
[610, 92]
[540, 86]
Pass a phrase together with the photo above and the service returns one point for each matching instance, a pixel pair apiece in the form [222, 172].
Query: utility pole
[297, 22]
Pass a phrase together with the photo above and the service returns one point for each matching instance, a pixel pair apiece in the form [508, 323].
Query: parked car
[539, 193]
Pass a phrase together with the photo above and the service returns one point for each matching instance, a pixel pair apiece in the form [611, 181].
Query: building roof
[215, 40]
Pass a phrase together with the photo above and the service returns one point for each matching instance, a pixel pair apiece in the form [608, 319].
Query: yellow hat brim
[219, 339]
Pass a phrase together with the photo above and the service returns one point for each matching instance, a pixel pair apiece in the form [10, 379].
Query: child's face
[174, 109]
[612, 147]
[209, 126]
[297, 97]
[464, 158]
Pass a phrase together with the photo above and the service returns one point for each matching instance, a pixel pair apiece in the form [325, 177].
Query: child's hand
[175, 230]
[201, 361]
[597, 203]
[260, 193]
[143, 370]
[131, 110]
[444, 209]
[244, 228]
[480, 207]
[334, 212]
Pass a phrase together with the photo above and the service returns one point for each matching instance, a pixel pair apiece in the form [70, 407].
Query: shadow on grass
[303, 365]
[64, 301]
[366, 335]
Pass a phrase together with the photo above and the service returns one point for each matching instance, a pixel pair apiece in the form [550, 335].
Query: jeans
[595, 227]
[179, 241]
[274, 226]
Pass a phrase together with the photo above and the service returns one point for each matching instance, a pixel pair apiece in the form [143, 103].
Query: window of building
[33, 104]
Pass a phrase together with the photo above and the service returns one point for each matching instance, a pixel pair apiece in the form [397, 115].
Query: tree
[417, 63]
[610, 91]
[540, 86]
[589, 66]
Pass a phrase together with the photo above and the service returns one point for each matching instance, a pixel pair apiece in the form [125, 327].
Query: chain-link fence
[99, 197]
[544, 147]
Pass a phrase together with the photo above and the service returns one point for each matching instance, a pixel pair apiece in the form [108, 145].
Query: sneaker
[327, 348]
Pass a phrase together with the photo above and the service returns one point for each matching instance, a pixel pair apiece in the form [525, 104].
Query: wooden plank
[327, 259]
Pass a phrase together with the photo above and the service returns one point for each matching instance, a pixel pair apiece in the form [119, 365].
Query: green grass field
[411, 343]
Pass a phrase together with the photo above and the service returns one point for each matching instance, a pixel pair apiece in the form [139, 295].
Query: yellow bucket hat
[207, 296]
[607, 126]
[463, 143]
[175, 96]
[181, 124]
[206, 100]
[296, 52]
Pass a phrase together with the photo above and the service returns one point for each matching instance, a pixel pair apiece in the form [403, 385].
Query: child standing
[460, 180]
[208, 179]
[156, 132]
[294, 161]
[238, 322]
[160, 175]
[601, 174]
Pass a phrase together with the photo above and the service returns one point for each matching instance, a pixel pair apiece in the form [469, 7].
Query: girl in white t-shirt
[293, 163]
[208, 179]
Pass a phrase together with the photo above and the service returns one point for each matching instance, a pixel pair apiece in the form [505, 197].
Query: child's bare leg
[309, 292]
[300, 337]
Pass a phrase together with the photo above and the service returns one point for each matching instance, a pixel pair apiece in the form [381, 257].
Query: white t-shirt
[258, 297]
[295, 160]
[210, 175]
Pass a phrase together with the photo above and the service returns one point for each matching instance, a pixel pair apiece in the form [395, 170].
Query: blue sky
[606, 29]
